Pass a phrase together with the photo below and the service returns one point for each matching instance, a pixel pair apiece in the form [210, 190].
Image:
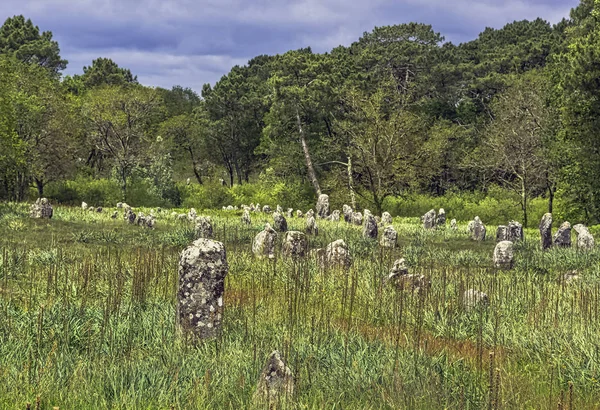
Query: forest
[400, 116]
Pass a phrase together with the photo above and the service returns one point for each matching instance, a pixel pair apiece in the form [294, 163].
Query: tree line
[400, 110]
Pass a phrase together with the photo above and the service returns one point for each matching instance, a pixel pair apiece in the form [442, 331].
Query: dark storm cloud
[191, 42]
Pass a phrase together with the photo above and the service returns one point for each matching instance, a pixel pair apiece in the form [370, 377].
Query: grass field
[87, 320]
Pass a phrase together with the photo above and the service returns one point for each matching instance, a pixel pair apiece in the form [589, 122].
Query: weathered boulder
[334, 217]
[202, 270]
[453, 225]
[279, 222]
[546, 231]
[99, 210]
[275, 383]
[429, 219]
[264, 243]
[441, 217]
[119, 204]
[309, 213]
[502, 233]
[41, 209]
[311, 226]
[246, 217]
[370, 230]
[279, 209]
[204, 228]
[562, 237]
[473, 299]
[478, 230]
[386, 219]
[402, 280]
[336, 254]
[347, 211]
[503, 255]
[515, 231]
[295, 244]
[585, 240]
[323, 206]
[299, 214]
[266, 209]
[290, 213]
[389, 238]
[130, 216]
[192, 214]
[357, 218]
[84, 206]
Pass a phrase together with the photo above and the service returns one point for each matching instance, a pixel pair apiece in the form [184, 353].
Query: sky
[193, 42]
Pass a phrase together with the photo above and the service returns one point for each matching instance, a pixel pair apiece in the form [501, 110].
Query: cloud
[189, 42]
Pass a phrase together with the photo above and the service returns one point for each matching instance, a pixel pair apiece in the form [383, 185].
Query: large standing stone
[585, 240]
[202, 270]
[429, 220]
[41, 209]
[279, 222]
[478, 230]
[336, 254]
[323, 206]
[357, 218]
[347, 211]
[370, 230]
[546, 231]
[441, 217]
[503, 255]
[275, 384]
[264, 243]
[386, 219]
[562, 238]
[389, 238]
[204, 228]
[515, 231]
[502, 233]
[473, 298]
[295, 244]
[246, 220]
[311, 226]
[453, 225]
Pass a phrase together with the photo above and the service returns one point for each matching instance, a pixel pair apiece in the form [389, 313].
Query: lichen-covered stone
[246, 220]
[279, 222]
[370, 230]
[295, 244]
[562, 237]
[41, 209]
[275, 383]
[323, 206]
[389, 238]
[130, 216]
[335, 255]
[473, 299]
[192, 214]
[503, 255]
[546, 231]
[441, 217]
[453, 225]
[279, 209]
[84, 206]
[357, 218]
[299, 214]
[202, 270]
[386, 219]
[585, 240]
[309, 213]
[515, 231]
[334, 217]
[429, 219]
[478, 230]
[264, 243]
[204, 228]
[347, 211]
[266, 209]
[311, 226]
[502, 233]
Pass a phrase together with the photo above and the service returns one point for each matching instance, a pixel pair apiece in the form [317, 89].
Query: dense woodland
[399, 112]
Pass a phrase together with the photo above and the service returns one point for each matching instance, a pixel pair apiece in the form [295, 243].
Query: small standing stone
[192, 215]
[453, 225]
[478, 230]
[264, 243]
[309, 213]
[266, 209]
[585, 240]
[347, 211]
[562, 238]
[246, 217]
[386, 219]
[204, 228]
[389, 238]
[279, 222]
[370, 230]
[357, 218]
[503, 255]
[290, 213]
[336, 254]
[429, 220]
[402, 280]
[546, 231]
[202, 270]
[275, 384]
[295, 244]
[119, 205]
[441, 217]
[299, 214]
[188, 181]
[279, 209]
[41, 209]
[473, 298]
[311, 226]
[130, 216]
[335, 216]
[502, 233]
[323, 206]
[515, 231]
[84, 206]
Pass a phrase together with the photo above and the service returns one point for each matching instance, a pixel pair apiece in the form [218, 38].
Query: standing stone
[562, 238]
[275, 383]
[264, 243]
[266, 209]
[188, 181]
[230, 208]
[429, 220]
[130, 216]
[84, 206]
[441, 217]
[141, 219]
[311, 226]
[295, 244]
[585, 240]
[515, 231]
[389, 238]
[503, 255]
[357, 218]
[386, 219]
[335, 216]
[204, 228]
[453, 225]
[192, 215]
[309, 213]
[119, 204]
[279, 222]
[370, 230]
[323, 206]
[470, 227]
[336, 254]
[473, 298]
[299, 214]
[202, 270]
[290, 213]
[279, 209]
[150, 222]
[246, 217]
[41, 209]
[502, 233]
[399, 268]
[99, 209]
[257, 208]
[347, 211]
[402, 280]
[478, 230]
[546, 231]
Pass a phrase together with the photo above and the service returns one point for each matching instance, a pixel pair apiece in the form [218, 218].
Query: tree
[21, 39]
[105, 71]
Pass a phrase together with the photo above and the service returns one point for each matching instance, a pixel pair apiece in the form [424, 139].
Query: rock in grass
[41, 209]
[334, 217]
[429, 219]
[309, 213]
[503, 255]
[515, 231]
[441, 217]
[84, 206]
[402, 280]
[502, 233]
[246, 217]
[585, 240]
[389, 238]
[130, 216]
[357, 218]
[279, 209]
[386, 219]
[347, 211]
[323, 206]
[370, 230]
[290, 213]
[311, 226]
[473, 299]
[546, 231]
[275, 383]
[299, 214]
[266, 209]
[453, 225]
[562, 238]
[204, 228]
[279, 222]
[295, 244]
[264, 243]
[335, 255]
[192, 215]
[478, 230]
[202, 270]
